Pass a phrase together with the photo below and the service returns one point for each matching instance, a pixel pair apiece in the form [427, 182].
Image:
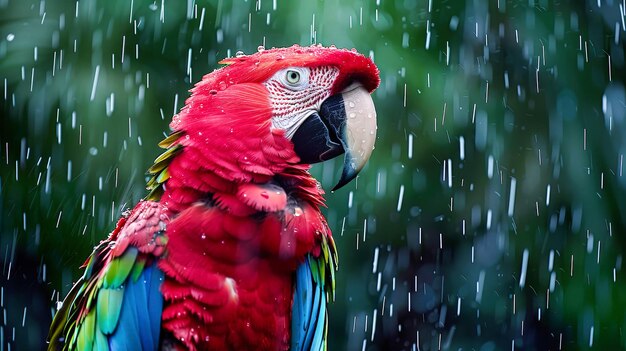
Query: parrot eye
[292, 77]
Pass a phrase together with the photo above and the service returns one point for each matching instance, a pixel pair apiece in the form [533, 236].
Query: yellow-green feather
[167, 142]
[85, 338]
[330, 259]
[158, 172]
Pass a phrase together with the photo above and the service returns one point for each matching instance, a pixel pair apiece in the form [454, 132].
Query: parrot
[229, 249]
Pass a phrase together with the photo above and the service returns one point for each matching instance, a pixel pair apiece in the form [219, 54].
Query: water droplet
[297, 212]
[153, 6]
[239, 54]
[203, 236]
[261, 48]
[10, 37]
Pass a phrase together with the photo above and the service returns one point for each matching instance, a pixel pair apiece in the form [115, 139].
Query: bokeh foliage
[491, 216]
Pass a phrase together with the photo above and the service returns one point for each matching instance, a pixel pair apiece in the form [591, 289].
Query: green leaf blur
[490, 217]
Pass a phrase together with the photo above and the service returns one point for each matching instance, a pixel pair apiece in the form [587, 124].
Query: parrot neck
[194, 175]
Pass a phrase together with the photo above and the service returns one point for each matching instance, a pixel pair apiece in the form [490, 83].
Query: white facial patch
[297, 92]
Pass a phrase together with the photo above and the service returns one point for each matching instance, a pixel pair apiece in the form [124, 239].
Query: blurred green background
[490, 217]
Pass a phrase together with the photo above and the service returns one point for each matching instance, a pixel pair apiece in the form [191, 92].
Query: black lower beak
[346, 123]
[317, 139]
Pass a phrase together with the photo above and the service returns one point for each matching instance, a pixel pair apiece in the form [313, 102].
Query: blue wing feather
[140, 319]
[309, 309]
[320, 326]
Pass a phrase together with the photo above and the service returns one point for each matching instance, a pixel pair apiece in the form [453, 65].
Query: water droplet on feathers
[239, 54]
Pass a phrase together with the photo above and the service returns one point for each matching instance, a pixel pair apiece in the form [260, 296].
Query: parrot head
[298, 104]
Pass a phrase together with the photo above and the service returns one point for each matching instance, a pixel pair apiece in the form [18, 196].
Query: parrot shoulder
[117, 301]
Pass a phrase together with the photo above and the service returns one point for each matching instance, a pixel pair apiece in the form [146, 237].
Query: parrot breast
[229, 275]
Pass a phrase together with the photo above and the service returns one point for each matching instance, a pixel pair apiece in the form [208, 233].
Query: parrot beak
[346, 123]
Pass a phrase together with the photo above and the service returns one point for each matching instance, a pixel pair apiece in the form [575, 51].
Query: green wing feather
[91, 310]
[84, 341]
[119, 268]
[57, 333]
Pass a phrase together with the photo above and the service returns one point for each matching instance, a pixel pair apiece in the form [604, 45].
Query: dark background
[490, 217]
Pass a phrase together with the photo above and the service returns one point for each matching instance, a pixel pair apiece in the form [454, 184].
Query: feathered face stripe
[295, 93]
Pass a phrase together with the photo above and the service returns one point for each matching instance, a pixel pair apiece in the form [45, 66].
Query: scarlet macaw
[230, 250]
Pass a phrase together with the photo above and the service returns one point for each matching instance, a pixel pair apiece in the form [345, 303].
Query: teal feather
[108, 308]
[100, 341]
